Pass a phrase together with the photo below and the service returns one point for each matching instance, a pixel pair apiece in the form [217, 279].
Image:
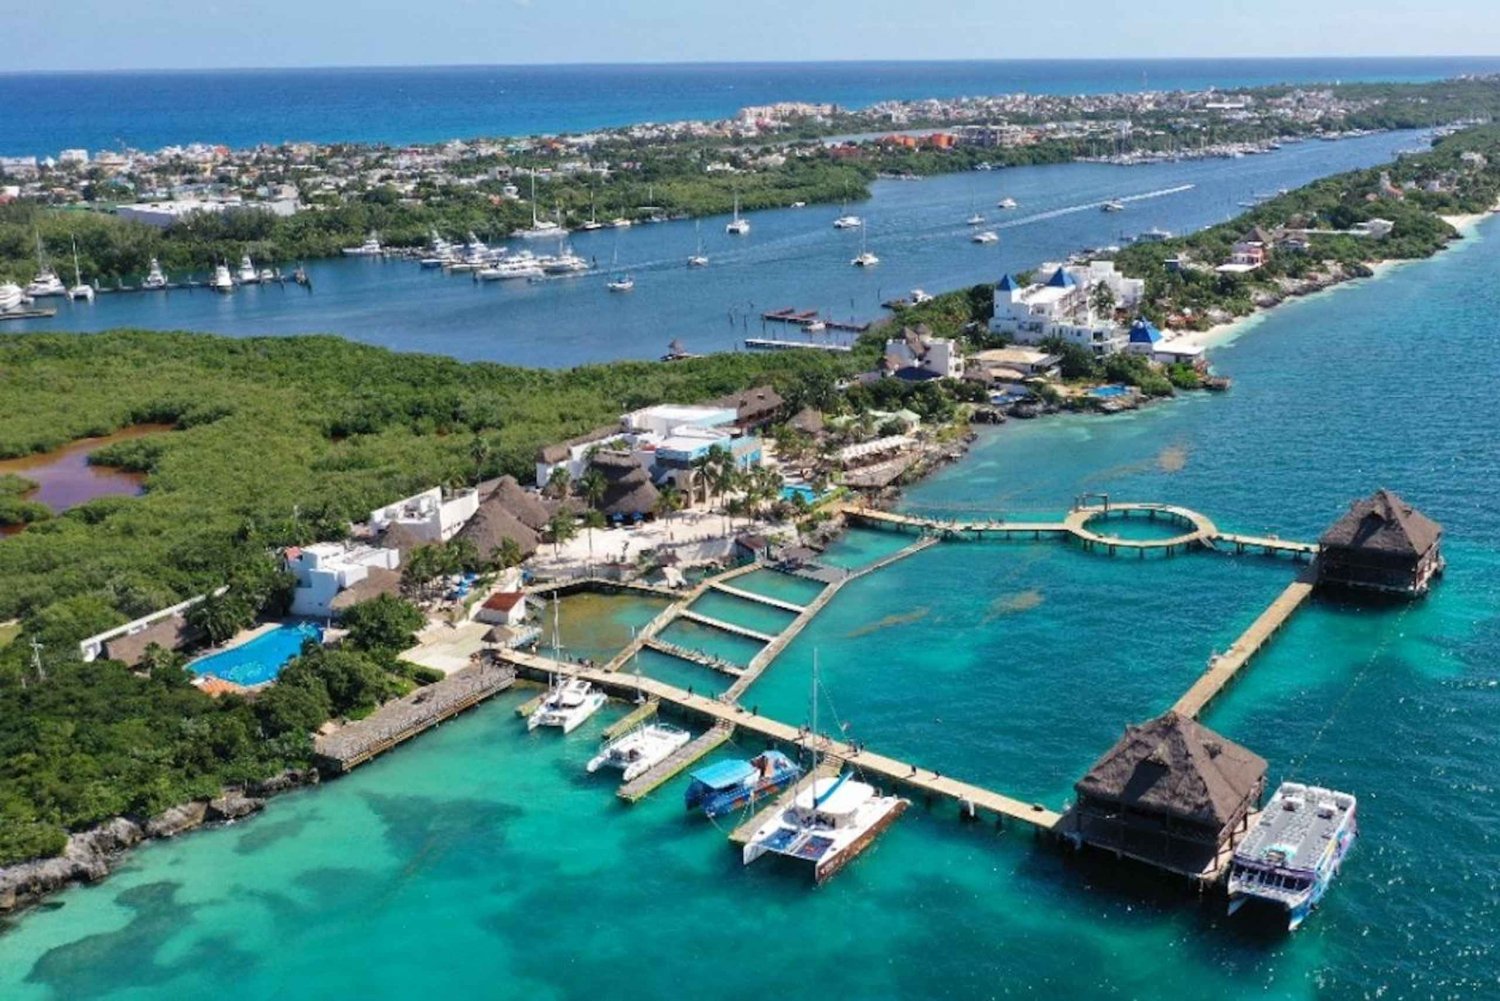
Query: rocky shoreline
[93, 854]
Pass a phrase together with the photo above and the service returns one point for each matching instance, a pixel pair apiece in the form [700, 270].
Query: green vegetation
[15, 509]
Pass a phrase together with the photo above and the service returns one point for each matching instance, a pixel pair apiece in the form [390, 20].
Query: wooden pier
[764, 599]
[669, 615]
[640, 714]
[27, 314]
[727, 627]
[1222, 668]
[778, 344]
[694, 656]
[355, 743]
[643, 785]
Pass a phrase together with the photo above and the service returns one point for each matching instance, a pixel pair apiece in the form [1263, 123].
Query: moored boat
[370, 248]
[726, 786]
[737, 226]
[155, 279]
[11, 296]
[827, 825]
[221, 281]
[568, 703]
[1291, 855]
[639, 750]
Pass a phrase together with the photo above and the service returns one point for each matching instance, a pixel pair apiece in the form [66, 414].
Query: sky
[194, 34]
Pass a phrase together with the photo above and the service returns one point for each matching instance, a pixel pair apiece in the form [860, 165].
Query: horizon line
[736, 62]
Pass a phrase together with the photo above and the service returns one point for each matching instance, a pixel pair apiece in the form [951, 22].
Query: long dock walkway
[642, 786]
[764, 599]
[698, 657]
[1223, 667]
[898, 774]
[640, 714]
[669, 614]
[727, 627]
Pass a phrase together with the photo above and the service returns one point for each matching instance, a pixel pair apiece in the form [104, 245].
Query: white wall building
[428, 514]
[938, 357]
[326, 568]
[666, 418]
[1057, 308]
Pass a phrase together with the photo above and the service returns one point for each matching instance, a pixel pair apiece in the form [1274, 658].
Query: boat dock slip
[631, 720]
[728, 627]
[764, 599]
[694, 656]
[644, 785]
[355, 743]
[1223, 667]
[600, 584]
[773, 344]
[1270, 545]
[973, 800]
[827, 769]
[670, 613]
[28, 314]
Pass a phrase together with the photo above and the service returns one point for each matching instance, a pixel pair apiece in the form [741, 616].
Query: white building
[1058, 308]
[503, 608]
[324, 569]
[73, 157]
[924, 356]
[666, 418]
[429, 515]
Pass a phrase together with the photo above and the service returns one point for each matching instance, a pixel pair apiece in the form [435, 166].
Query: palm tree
[669, 500]
[508, 553]
[562, 527]
[558, 481]
[592, 519]
[593, 486]
[479, 451]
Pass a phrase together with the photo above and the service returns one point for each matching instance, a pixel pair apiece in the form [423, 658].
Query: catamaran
[865, 258]
[698, 259]
[848, 222]
[79, 289]
[726, 786]
[737, 226]
[569, 701]
[46, 283]
[638, 751]
[985, 236]
[155, 279]
[828, 823]
[370, 248]
[1290, 857]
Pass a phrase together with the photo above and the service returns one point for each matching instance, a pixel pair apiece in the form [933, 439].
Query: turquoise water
[776, 584]
[594, 626]
[859, 547]
[480, 859]
[261, 659]
[1108, 392]
[682, 673]
[767, 619]
[715, 642]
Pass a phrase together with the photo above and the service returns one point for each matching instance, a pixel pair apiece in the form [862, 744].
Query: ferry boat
[637, 752]
[1291, 856]
[985, 236]
[221, 281]
[1006, 203]
[568, 703]
[737, 226]
[370, 248]
[827, 824]
[728, 786]
[248, 275]
[155, 279]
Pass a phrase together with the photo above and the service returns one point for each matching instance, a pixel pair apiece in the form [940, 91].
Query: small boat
[79, 289]
[1154, 235]
[918, 296]
[848, 222]
[11, 296]
[222, 281]
[300, 277]
[735, 784]
[1291, 855]
[814, 326]
[698, 259]
[370, 248]
[248, 275]
[865, 260]
[620, 283]
[1006, 203]
[737, 226]
[639, 750]
[268, 275]
[155, 279]
[620, 222]
[568, 703]
[1113, 205]
[985, 236]
[828, 823]
[46, 283]
[799, 205]
[977, 219]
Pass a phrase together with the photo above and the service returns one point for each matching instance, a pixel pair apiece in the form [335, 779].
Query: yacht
[569, 702]
[565, 262]
[439, 252]
[221, 281]
[985, 236]
[155, 279]
[521, 265]
[539, 227]
[370, 248]
[620, 283]
[737, 226]
[848, 222]
[46, 283]
[1006, 203]
[1113, 205]
[727, 786]
[248, 275]
[11, 297]
[639, 750]
[830, 821]
[79, 289]
[1291, 855]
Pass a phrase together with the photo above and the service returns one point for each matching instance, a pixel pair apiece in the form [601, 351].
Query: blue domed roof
[1008, 284]
[1061, 279]
[1143, 331]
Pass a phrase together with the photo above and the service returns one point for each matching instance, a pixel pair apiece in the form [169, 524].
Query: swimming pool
[1108, 392]
[261, 659]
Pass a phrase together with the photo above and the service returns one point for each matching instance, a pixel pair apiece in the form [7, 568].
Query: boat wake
[1093, 206]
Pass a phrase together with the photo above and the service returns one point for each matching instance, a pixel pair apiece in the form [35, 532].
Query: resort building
[1060, 308]
[429, 515]
[503, 608]
[1171, 793]
[325, 569]
[167, 628]
[572, 455]
[917, 355]
[1381, 544]
[1248, 254]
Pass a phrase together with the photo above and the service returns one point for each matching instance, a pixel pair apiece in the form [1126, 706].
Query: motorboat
[735, 784]
[155, 278]
[985, 236]
[1006, 203]
[46, 283]
[620, 222]
[563, 263]
[567, 704]
[1113, 205]
[848, 222]
[248, 275]
[370, 248]
[11, 296]
[519, 266]
[865, 260]
[697, 261]
[620, 283]
[638, 751]
[222, 281]
[268, 275]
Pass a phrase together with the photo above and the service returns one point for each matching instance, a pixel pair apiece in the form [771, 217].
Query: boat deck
[643, 785]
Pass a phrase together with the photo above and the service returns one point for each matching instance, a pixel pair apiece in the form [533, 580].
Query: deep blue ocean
[42, 113]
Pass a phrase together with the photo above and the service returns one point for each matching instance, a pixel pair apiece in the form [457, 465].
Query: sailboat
[46, 282]
[569, 701]
[828, 823]
[539, 227]
[593, 222]
[79, 289]
[865, 258]
[737, 226]
[976, 217]
[698, 259]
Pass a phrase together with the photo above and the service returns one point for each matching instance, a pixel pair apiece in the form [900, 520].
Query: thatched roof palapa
[629, 490]
[1175, 766]
[170, 633]
[525, 505]
[377, 581]
[752, 406]
[492, 523]
[1383, 523]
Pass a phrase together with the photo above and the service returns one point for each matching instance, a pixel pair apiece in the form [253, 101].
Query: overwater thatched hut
[1381, 544]
[1170, 793]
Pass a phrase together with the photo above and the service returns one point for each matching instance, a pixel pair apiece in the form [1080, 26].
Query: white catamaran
[638, 751]
[569, 701]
